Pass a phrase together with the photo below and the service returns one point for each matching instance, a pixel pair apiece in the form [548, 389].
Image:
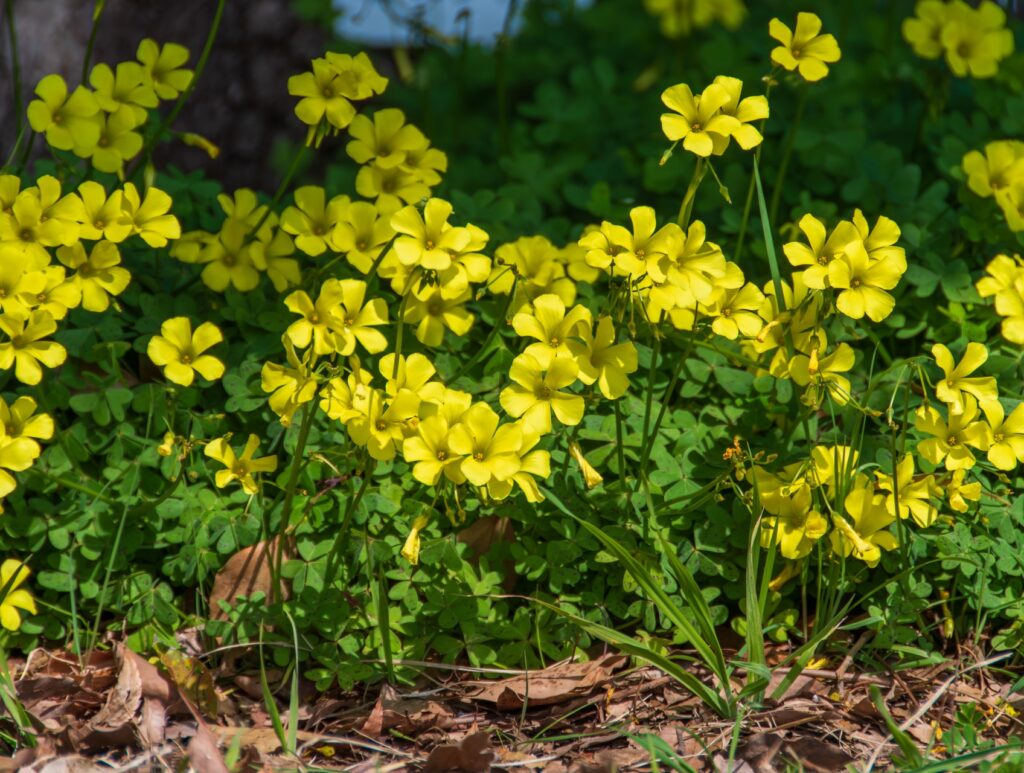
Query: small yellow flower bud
[411, 549]
[166, 448]
[199, 141]
[590, 476]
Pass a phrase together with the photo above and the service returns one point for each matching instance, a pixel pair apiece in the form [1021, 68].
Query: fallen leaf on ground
[203, 752]
[473, 754]
[245, 573]
[554, 684]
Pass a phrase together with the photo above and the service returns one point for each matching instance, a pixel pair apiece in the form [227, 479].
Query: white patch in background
[395, 22]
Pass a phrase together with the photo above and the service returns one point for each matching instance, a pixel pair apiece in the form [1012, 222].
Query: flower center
[26, 235]
[479, 457]
[696, 127]
[99, 225]
[361, 246]
[430, 244]
[855, 283]
[240, 470]
[796, 53]
[543, 392]
[186, 359]
[229, 260]
[314, 318]
[442, 456]
[381, 425]
[726, 312]
[555, 341]
[84, 270]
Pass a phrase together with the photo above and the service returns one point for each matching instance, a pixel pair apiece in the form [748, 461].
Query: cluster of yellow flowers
[39, 222]
[705, 123]
[678, 18]
[102, 123]
[1005, 283]
[251, 241]
[327, 91]
[804, 498]
[999, 173]
[972, 40]
[398, 165]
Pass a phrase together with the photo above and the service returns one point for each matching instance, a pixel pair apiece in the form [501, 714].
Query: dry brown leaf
[473, 754]
[203, 752]
[813, 754]
[554, 684]
[245, 573]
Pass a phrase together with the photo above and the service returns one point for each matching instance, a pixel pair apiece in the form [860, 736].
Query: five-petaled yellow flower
[240, 468]
[180, 351]
[804, 49]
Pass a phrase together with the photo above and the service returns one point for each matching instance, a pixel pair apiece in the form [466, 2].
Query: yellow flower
[680, 17]
[27, 347]
[271, 252]
[358, 320]
[1007, 449]
[804, 50]
[411, 549]
[345, 399]
[124, 90]
[427, 239]
[833, 466]
[20, 420]
[999, 169]
[695, 272]
[536, 392]
[357, 76]
[641, 251]
[312, 220]
[98, 275]
[863, 282]
[118, 142]
[240, 468]
[491, 452]
[793, 525]
[104, 218]
[321, 97]
[430, 453]
[180, 352]
[150, 217]
[824, 375]
[319, 320]
[1005, 281]
[230, 259]
[18, 283]
[867, 536]
[952, 442]
[291, 385]
[698, 120]
[391, 188]
[162, 66]
[380, 428]
[385, 140]
[361, 233]
[68, 120]
[13, 599]
[534, 259]
[976, 39]
[591, 477]
[552, 327]
[956, 382]
[745, 111]
[959, 493]
[924, 30]
[436, 309]
[29, 230]
[533, 463]
[914, 495]
[602, 361]
[820, 251]
[735, 313]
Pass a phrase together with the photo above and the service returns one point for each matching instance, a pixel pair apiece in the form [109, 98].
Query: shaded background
[241, 103]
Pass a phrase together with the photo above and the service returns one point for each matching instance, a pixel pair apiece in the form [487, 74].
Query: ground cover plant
[692, 333]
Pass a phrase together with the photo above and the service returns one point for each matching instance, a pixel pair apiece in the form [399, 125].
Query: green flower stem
[289, 495]
[97, 12]
[649, 446]
[686, 207]
[165, 124]
[619, 453]
[346, 522]
[748, 203]
[787, 153]
[649, 399]
[401, 323]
